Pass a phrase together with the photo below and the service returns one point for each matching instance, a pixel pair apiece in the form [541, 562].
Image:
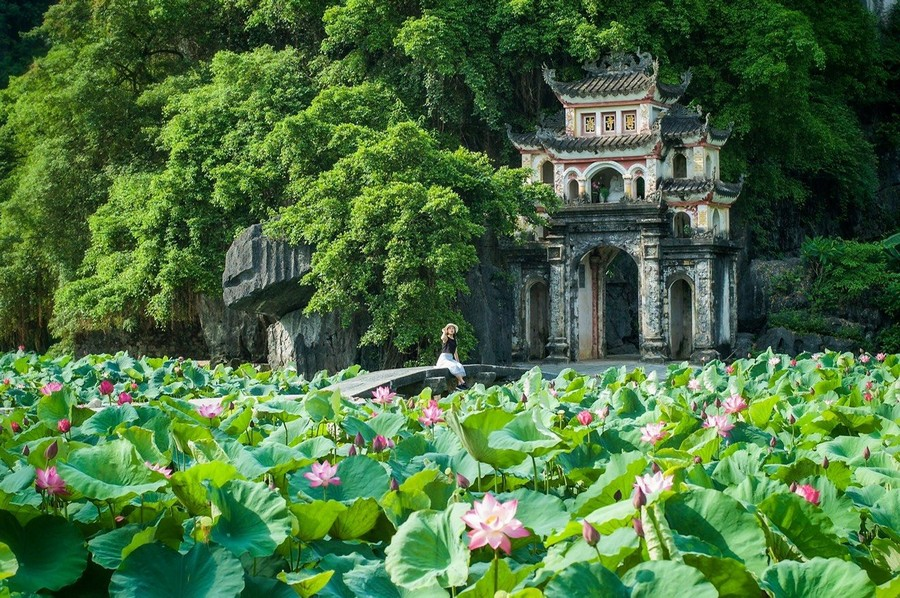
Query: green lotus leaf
[387, 424]
[316, 518]
[805, 526]
[429, 547]
[721, 521]
[49, 550]
[54, 407]
[154, 571]
[848, 448]
[315, 448]
[760, 410]
[506, 580]
[731, 578]
[886, 512]
[357, 520]
[817, 577]
[541, 513]
[586, 579]
[254, 587]
[109, 471]
[276, 458]
[361, 477]
[144, 444]
[659, 578]
[252, 519]
[109, 549]
[474, 431]
[702, 443]
[18, 480]
[105, 422]
[191, 486]
[8, 563]
[526, 434]
[618, 476]
[306, 583]
[371, 579]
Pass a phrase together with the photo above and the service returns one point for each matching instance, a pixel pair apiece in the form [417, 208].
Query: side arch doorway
[681, 319]
[537, 317]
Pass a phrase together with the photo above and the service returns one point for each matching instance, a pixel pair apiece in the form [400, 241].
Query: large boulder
[489, 306]
[263, 275]
[766, 286]
[231, 334]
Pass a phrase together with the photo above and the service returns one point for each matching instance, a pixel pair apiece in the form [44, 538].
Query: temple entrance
[608, 317]
[607, 186]
[681, 319]
[538, 320]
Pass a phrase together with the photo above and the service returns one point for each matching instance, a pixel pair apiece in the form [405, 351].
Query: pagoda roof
[618, 74]
[680, 122]
[718, 191]
[601, 142]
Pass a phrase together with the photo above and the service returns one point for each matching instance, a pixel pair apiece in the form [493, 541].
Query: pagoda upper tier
[621, 134]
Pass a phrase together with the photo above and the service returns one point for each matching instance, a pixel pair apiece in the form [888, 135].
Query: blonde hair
[445, 335]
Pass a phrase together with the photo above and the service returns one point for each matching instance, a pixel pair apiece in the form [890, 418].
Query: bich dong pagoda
[638, 258]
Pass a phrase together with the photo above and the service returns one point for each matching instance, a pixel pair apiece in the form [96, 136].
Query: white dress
[446, 360]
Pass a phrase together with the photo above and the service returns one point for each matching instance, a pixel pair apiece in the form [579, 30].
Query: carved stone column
[653, 343]
[704, 344]
[598, 294]
[519, 343]
[557, 345]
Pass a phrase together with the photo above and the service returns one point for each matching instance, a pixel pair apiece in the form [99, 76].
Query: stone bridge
[409, 381]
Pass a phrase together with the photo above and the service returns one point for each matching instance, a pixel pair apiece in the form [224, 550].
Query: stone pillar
[598, 308]
[653, 341]
[704, 318]
[557, 345]
[519, 342]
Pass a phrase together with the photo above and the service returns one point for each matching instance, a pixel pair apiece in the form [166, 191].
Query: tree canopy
[151, 131]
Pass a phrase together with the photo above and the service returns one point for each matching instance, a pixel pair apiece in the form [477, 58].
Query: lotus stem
[496, 571]
[534, 469]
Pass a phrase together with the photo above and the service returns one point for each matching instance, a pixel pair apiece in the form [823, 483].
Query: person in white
[449, 358]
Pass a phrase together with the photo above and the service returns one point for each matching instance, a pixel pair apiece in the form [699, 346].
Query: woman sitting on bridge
[449, 358]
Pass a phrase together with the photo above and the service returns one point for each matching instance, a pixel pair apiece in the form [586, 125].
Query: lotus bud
[524, 398]
[585, 418]
[231, 406]
[358, 440]
[793, 363]
[15, 427]
[134, 386]
[252, 424]
[718, 403]
[352, 451]
[379, 443]
[6, 381]
[63, 425]
[698, 460]
[792, 420]
[772, 442]
[394, 485]
[589, 533]
[462, 481]
[604, 413]
[825, 463]
[654, 468]
[21, 348]
[638, 527]
[867, 453]
[51, 451]
[639, 499]
[25, 421]
[618, 495]
[411, 404]
[793, 486]
[124, 398]
[26, 451]
[106, 387]
[693, 405]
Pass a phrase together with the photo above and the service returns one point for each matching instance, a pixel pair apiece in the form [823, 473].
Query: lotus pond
[768, 476]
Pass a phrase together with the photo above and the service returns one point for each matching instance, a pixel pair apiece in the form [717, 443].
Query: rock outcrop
[231, 335]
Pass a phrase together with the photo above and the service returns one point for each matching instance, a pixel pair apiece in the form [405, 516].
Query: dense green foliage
[767, 477]
[153, 130]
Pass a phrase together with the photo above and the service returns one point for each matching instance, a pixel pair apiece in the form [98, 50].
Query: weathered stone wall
[490, 305]
[180, 340]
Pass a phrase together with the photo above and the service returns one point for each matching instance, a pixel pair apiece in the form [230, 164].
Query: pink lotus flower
[15, 427]
[585, 418]
[653, 433]
[323, 474]
[729, 369]
[693, 385]
[869, 385]
[774, 361]
[864, 358]
[166, 471]
[868, 397]
[734, 404]
[134, 386]
[881, 357]
[603, 413]
[7, 381]
[21, 347]
[124, 397]
[49, 480]
[793, 363]
[648, 484]
[432, 414]
[106, 387]
[63, 425]
[209, 410]
[721, 423]
[50, 388]
[383, 395]
[493, 524]
[808, 492]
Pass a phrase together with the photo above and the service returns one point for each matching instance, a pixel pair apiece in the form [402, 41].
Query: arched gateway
[639, 257]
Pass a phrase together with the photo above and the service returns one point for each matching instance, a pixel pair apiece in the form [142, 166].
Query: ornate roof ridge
[623, 62]
[700, 185]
